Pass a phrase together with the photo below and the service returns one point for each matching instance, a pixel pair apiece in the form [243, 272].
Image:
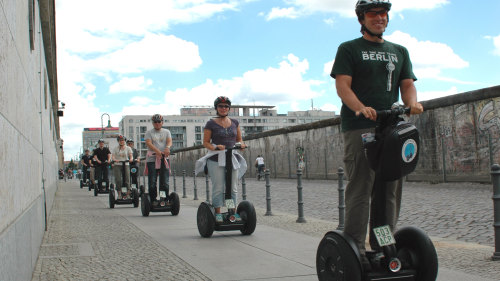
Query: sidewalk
[82, 244]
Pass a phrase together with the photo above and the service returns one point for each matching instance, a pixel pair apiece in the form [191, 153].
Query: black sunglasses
[157, 121]
[223, 106]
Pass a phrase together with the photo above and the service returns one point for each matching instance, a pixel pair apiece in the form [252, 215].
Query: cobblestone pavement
[457, 216]
[461, 211]
[81, 244]
[86, 240]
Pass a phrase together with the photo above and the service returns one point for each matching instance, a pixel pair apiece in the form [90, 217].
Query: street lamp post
[102, 124]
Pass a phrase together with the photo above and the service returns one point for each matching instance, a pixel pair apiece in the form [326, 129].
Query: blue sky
[153, 56]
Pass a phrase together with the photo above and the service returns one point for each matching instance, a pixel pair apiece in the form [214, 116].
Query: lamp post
[102, 124]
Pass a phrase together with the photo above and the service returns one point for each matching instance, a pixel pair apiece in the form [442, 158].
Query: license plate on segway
[124, 190]
[163, 194]
[384, 236]
[229, 203]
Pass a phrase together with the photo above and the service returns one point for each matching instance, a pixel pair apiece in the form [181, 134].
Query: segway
[133, 198]
[134, 175]
[100, 187]
[87, 179]
[409, 255]
[205, 216]
[165, 204]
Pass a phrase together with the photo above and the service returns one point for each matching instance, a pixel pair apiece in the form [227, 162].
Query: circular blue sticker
[409, 151]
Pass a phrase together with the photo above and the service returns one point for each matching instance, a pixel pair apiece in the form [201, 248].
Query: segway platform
[205, 219]
[170, 204]
[100, 190]
[124, 200]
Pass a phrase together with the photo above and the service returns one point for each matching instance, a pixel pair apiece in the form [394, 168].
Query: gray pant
[117, 172]
[359, 190]
[218, 176]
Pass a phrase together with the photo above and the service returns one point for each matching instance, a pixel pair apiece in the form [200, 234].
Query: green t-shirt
[376, 70]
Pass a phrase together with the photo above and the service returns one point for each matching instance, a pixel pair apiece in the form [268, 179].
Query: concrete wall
[463, 130]
[28, 135]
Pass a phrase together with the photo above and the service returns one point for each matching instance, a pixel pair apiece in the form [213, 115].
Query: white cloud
[130, 85]
[283, 85]
[330, 107]
[327, 67]
[346, 8]
[496, 44]
[115, 17]
[275, 13]
[400, 5]
[429, 58]
[153, 52]
[429, 95]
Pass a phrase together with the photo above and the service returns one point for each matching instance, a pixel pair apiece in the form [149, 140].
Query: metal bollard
[175, 185]
[243, 188]
[195, 188]
[340, 174]
[495, 179]
[207, 190]
[268, 194]
[300, 202]
[195, 197]
[184, 184]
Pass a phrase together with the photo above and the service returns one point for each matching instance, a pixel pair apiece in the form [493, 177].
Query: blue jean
[218, 176]
[153, 173]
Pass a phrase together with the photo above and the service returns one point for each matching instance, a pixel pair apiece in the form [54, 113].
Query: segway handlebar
[393, 112]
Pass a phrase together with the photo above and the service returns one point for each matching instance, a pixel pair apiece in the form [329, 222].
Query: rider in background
[158, 141]
[121, 153]
[369, 73]
[86, 159]
[219, 133]
[259, 164]
[102, 156]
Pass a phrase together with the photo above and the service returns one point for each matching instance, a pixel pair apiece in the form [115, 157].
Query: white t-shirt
[158, 139]
[121, 154]
[260, 160]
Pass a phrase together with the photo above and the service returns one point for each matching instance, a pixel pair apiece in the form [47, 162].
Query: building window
[197, 129]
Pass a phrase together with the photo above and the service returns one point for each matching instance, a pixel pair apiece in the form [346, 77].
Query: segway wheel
[81, 184]
[96, 190]
[111, 198]
[90, 186]
[416, 248]
[135, 193]
[145, 205]
[205, 219]
[176, 204]
[247, 213]
[336, 259]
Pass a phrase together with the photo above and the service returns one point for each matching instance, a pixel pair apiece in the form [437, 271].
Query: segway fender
[205, 219]
[338, 258]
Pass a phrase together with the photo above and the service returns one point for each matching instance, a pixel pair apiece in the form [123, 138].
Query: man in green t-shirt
[369, 73]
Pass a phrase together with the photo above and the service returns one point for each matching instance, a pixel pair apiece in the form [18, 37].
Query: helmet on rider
[364, 5]
[130, 141]
[157, 118]
[120, 137]
[100, 141]
[222, 99]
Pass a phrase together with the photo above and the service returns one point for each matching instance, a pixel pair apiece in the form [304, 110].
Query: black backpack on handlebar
[394, 152]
